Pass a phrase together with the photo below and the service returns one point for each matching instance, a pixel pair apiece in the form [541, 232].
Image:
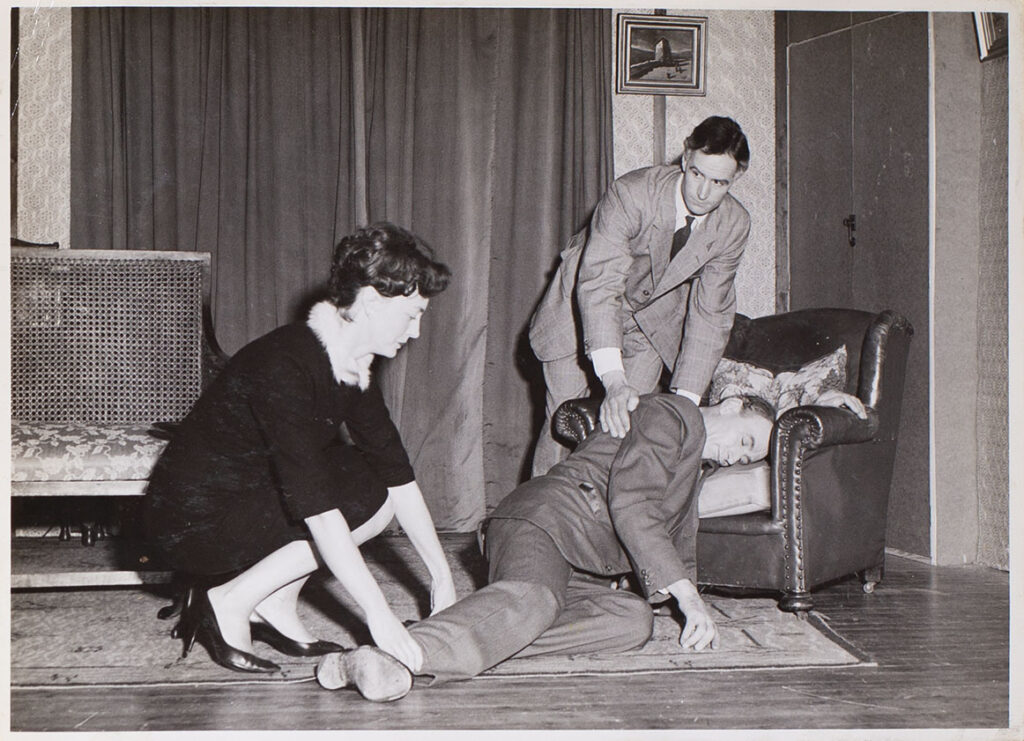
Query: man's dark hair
[392, 260]
[757, 405]
[720, 135]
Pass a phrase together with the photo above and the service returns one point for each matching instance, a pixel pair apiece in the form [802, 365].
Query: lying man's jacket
[615, 506]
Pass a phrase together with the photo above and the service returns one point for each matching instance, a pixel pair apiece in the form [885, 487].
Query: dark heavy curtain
[264, 135]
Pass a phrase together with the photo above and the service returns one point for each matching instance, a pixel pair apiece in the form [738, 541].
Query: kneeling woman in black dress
[260, 483]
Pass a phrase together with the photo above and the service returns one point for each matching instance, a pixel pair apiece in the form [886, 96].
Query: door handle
[850, 222]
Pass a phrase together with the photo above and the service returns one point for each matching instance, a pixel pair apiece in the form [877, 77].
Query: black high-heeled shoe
[199, 623]
[289, 646]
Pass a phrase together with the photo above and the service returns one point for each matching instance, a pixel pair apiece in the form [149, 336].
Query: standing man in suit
[649, 286]
[556, 543]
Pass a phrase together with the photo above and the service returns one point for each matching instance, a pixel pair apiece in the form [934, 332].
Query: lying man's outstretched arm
[653, 506]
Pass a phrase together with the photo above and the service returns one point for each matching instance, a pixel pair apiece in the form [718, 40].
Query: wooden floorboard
[939, 637]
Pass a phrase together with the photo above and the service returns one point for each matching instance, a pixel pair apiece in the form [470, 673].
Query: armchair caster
[799, 603]
[870, 579]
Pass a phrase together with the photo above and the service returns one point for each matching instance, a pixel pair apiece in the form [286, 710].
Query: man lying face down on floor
[557, 542]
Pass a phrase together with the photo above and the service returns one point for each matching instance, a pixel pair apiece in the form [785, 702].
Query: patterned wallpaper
[740, 84]
[993, 328]
[43, 192]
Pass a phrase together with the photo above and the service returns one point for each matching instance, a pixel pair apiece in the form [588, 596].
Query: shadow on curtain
[263, 135]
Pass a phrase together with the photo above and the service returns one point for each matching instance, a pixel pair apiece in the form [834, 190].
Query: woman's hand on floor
[442, 594]
[391, 636]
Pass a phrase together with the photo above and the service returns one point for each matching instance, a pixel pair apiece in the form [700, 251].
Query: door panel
[890, 261]
[811, 24]
[820, 159]
[858, 143]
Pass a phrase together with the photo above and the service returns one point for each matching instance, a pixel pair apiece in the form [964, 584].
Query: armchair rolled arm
[818, 426]
[575, 419]
[798, 432]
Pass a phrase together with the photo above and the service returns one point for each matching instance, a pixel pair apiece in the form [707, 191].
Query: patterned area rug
[113, 637]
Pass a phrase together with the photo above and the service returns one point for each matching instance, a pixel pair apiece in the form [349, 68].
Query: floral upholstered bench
[106, 345]
[51, 458]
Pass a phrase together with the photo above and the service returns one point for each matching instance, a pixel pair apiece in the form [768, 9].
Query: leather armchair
[830, 471]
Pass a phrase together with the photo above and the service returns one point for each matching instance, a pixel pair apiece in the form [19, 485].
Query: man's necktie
[679, 239]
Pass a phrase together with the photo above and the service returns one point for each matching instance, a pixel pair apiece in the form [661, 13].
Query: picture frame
[661, 54]
[993, 33]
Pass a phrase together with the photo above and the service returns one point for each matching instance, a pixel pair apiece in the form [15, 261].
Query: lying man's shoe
[378, 676]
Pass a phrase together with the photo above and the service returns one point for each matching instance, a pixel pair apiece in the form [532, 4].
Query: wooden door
[858, 145]
[890, 265]
[820, 163]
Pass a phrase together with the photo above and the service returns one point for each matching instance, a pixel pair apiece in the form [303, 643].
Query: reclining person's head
[738, 430]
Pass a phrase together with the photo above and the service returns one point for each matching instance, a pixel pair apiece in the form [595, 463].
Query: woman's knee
[376, 524]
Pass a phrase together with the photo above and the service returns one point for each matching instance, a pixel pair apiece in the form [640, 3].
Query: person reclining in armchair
[557, 543]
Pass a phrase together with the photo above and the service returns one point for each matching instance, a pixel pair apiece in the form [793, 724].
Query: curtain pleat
[263, 135]
[430, 156]
[552, 161]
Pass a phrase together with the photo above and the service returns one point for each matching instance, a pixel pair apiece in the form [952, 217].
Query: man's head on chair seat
[738, 430]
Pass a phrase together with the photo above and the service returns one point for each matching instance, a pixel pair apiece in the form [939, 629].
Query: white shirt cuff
[606, 359]
[688, 394]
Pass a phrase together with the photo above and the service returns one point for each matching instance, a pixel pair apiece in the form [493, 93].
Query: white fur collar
[326, 323]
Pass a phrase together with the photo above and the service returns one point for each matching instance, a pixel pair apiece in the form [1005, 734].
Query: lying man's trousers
[535, 603]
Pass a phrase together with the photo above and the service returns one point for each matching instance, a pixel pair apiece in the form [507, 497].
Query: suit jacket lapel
[662, 233]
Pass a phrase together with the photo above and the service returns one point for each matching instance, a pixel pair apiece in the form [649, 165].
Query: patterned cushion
[784, 391]
[58, 451]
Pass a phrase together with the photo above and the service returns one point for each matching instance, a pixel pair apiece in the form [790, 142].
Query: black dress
[261, 450]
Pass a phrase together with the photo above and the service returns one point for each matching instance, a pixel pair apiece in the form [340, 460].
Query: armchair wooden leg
[871, 577]
[799, 603]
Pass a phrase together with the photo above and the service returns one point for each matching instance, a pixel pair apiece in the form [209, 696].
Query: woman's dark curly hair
[387, 257]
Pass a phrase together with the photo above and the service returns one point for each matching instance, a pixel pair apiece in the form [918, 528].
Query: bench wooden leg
[91, 515]
[89, 532]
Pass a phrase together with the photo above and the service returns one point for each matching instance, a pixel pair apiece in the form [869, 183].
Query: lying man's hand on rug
[700, 630]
